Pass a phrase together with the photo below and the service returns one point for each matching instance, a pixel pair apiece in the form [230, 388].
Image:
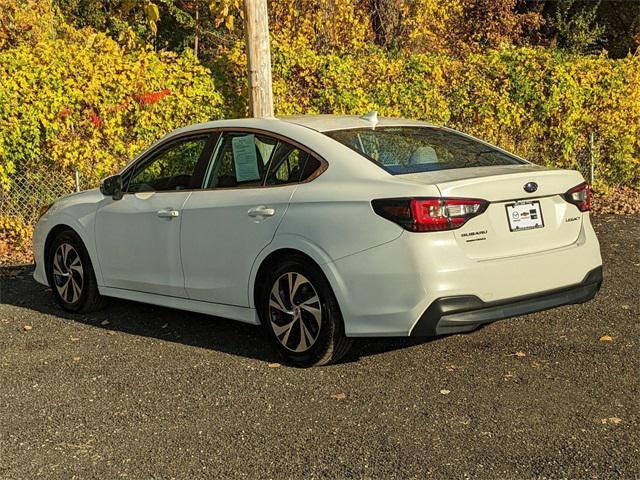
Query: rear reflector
[580, 196]
[429, 214]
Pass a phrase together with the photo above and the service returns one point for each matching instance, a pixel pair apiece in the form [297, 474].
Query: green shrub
[82, 102]
[540, 104]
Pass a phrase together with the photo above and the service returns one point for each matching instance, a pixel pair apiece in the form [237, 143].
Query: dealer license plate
[524, 215]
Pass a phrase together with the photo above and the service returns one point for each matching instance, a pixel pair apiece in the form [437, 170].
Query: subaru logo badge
[531, 187]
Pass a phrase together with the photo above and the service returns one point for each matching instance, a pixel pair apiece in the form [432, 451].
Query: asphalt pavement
[137, 391]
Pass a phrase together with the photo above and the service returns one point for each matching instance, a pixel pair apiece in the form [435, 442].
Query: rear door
[247, 189]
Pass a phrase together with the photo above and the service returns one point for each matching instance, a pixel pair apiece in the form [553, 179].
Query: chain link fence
[30, 191]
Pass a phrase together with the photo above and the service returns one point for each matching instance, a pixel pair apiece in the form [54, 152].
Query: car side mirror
[112, 187]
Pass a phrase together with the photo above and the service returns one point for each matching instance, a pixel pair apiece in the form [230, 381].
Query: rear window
[420, 149]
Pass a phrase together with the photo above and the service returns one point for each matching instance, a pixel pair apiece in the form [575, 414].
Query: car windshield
[401, 150]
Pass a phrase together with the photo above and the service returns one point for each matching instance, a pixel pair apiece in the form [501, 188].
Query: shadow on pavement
[18, 288]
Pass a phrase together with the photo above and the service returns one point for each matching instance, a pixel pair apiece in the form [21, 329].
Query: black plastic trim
[464, 313]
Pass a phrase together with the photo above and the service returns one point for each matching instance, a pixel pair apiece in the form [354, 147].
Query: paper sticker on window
[245, 158]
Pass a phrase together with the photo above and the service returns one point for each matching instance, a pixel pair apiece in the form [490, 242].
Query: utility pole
[258, 59]
[197, 30]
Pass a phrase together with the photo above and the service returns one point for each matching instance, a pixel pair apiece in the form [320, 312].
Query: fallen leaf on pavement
[338, 396]
[27, 328]
[606, 338]
[445, 392]
[611, 420]
[520, 354]
[273, 365]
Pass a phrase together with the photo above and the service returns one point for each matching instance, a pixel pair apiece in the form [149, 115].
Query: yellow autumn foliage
[81, 102]
[543, 105]
[76, 99]
[320, 24]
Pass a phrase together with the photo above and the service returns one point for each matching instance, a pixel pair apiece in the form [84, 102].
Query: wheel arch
[51, 235]
[270, 261]
[282, 248]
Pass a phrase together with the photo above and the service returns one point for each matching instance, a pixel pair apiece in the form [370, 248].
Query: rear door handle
[168, 213]
[261, 211]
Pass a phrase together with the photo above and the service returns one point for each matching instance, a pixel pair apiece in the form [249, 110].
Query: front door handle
[261, 211]
[168, 213]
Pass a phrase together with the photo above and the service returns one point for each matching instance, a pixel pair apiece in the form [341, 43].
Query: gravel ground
[146, 392]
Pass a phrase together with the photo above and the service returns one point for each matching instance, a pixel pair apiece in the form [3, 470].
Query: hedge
[543, 105]
[83, 102]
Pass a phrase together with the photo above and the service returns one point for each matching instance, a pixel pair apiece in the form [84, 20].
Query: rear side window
[254, 160]
[289, 164]
[241, 159]
[402, 150]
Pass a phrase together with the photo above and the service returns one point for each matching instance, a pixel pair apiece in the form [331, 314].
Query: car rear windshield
[402, 150]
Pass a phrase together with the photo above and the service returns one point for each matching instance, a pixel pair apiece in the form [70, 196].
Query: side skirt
[233, 312]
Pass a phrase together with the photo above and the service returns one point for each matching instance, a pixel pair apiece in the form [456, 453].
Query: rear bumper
[384, 291]
[463, 313]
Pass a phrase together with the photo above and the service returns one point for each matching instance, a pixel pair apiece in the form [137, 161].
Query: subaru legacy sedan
[325, 228]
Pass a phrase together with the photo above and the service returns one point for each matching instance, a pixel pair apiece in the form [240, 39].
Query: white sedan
[324, 228]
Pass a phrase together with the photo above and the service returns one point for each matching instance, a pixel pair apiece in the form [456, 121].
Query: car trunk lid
[517, 221]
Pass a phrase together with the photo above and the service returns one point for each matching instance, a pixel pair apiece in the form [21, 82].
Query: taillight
[429, 214]
[580, 196]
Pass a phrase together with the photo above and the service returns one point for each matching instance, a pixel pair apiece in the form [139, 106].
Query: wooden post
[258, 59]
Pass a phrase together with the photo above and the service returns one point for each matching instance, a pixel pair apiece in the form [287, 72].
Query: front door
[138, 236]
[225, 225]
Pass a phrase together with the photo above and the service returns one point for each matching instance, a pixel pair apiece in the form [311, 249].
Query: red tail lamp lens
[580, 196]
[429, 214]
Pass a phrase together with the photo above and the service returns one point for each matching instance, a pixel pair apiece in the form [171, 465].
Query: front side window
[171, 168]
[402, 150]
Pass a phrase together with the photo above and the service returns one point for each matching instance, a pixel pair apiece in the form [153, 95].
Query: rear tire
[300, 314]
[70, 274]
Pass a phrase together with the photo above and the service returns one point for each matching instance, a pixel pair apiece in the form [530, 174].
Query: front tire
[301, 316]
[71, 276]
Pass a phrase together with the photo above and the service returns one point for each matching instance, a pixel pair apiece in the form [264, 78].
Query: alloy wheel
[295, 312]
[68, 274]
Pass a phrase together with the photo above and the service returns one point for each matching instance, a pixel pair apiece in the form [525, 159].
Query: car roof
[306, 129]
[318, 123]
[326, 123]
